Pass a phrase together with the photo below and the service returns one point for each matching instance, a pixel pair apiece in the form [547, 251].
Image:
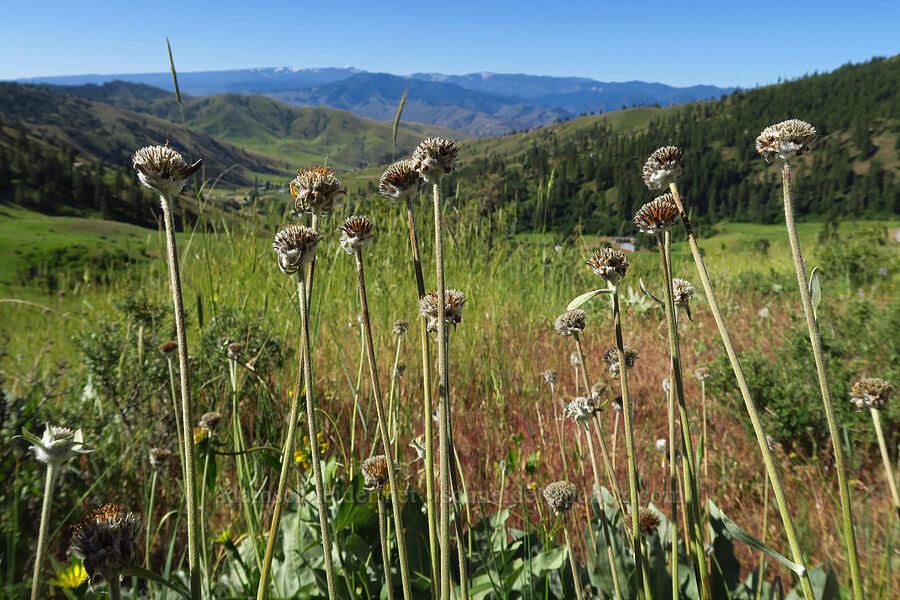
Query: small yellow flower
[224, 538]
[71, 577]
[200, 434]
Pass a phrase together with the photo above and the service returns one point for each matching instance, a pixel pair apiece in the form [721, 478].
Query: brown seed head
[234, 350]
[168, 348]
[662, 167]
[400, 182]
[785, 140]
[428, 308]
[162, 169]
[870, 392]
[701, 373]
[375, 472]
[158, 457]
[550, 376]
[316, 190]
[611, 357]
[600, 391]
[107, 542]
[295, 246]
[658, 215]
[570, 322]
[356, 233]
[649, 521]
[211, 420]
[434, 158]
[609, 264]
[400, 327]
[561, 495]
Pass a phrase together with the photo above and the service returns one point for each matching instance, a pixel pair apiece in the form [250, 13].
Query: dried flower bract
[400, 327]
[316, 190]
[657, 216]
[581, 409]
[400, 182]
[295, 246]
[609, 264]
[649, 521]
[159, 457]
[107, 541]
[662, 167]
[785, 140]
[428, 308]
[611, 357]
[870, 392]
[550, 376]
[375, 472]
[570, 322]
[561, 495]
[434, 158]
[356, 234]
[211, 420]
[162, 169]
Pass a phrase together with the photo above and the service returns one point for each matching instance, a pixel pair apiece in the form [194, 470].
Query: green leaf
[815, 291]
[757, 544]
[151, 576]
[587, 296]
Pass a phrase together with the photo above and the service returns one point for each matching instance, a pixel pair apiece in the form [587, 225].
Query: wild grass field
[85, 322]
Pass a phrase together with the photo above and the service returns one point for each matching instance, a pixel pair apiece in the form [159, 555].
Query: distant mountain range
[479, 104]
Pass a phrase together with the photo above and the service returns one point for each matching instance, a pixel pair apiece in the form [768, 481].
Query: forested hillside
[588, 171]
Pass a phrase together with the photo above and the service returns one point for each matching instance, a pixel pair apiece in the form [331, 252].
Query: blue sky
[678, 43]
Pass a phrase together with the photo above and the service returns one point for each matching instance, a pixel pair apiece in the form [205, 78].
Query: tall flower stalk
[659, 172]
[356, 234]
[873, 393]
[296, 246]
[785, 141]
[52, 449]
[434, 158]
[657, 218]
[401, 182]
[561, 496]
[163, 170]
[376, 472]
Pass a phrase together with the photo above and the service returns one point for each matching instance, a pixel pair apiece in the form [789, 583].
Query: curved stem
[427, 404]
[42, 531]
[752, 412]
[383, 428]
[818, 355]
[187, 408]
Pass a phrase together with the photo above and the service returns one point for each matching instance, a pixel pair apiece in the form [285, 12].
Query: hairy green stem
[579, 593]
[426, 404]
[886, 459]
[385, 548]
[691, 489]
[383, 427]
[818, 355]
[641, 571]
[752, 412]
[187, 408]
[42, 531]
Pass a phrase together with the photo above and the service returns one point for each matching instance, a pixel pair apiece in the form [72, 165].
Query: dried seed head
[168, 348]
[785, 140]
[682, 291]
[662, 445]
[234, 350]
[609, 264]
[434, 158]
[617, 403]
[870, 392]
[211, 420]
[162, 169]
[581, 409]
[701, 373]
[316, 190]
[570, 322]
[649, 521]
[375, 472]
[400, 327]
[356, 233]
[401, 369]
[400, 182]
[428, 308]
[158, 457]
[666, 384]
[663, 167]
[657, 216]
[295, 246]
[56, 444]
[107, 542]
[550, 376]
[600, 390]
[574, 359]
[561, 495]
[611, 357]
